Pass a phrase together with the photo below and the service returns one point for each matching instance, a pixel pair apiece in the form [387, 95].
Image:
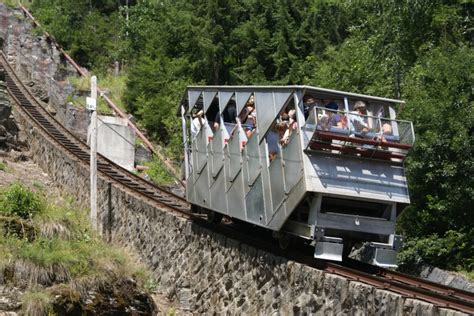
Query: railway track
[380, 278]
[405, 285]
[33, 109]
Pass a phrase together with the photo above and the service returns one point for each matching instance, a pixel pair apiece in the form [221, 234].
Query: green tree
[439, 167]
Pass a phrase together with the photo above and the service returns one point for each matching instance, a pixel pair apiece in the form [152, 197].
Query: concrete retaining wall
[115, 140]
[209, 273]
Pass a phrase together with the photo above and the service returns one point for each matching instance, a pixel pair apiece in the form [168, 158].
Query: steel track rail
[411, 280]
[407, 286]
[389, 280]
[31, 107]
[76, 140]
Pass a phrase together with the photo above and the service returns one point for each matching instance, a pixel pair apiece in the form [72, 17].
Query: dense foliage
[417, 50]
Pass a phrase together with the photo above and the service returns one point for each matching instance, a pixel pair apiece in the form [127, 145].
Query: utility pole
[91, 105]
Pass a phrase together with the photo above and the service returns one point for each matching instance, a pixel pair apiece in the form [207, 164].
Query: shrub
[36, 303]
[453, 251]
[21, 201]
[158, 172]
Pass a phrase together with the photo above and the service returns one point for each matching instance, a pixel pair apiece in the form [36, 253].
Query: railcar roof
[326, 93]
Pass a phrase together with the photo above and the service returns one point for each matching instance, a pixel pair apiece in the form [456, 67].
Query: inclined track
[403, 284]
[65, 139]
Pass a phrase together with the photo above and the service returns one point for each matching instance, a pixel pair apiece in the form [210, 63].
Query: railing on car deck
[353, 133]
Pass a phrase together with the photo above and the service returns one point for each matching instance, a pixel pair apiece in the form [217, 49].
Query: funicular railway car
[321, 164]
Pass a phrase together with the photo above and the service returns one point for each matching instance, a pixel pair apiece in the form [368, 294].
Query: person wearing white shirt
[358, 118]
[197, 123]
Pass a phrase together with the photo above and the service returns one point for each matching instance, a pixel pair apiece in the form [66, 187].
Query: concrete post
[93, 155]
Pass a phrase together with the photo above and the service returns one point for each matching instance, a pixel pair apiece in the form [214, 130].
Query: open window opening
[229, 116]
[281, 129]
[355, 207]
[356, 127]
[248, 117]
[213, 115]
[197, 120]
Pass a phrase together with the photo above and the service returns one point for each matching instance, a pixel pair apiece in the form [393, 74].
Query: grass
[36, 303]
[64, 245]
[159, 173]
[113, 85]
[3, 166]
[11, 3]
[467, 274]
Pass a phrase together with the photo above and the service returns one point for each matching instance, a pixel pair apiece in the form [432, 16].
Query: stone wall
[39, 63]
[206, 272]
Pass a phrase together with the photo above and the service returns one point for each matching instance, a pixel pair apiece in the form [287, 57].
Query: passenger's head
[360, 106]
[281, 127]
[250, 102]
[292, 114]
[332, 106]
[309, 99]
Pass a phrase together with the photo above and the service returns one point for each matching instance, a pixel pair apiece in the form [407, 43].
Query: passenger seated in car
[359, 119]
[281, 128]
[386, 131]
[272, 142]
[290, 120]
[309, 102]
[197, 123]
[249, 117]
[229, 115]
[334, 118]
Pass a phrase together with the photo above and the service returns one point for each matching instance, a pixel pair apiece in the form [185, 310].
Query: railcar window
[228, 116]
[248, 117]
[355, 207]
[212, 114]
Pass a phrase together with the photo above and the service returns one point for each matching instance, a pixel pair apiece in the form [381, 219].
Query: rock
[448, 278]
[10, 299]
[8, 127]
[5, 108]
[51, 109]
[142, 155]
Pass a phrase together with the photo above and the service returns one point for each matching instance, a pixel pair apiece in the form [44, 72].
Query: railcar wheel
[196, 209]
[285, 241]
[347, 248]
[214, 217]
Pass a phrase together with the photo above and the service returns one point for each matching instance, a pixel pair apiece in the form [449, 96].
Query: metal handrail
[315, 122]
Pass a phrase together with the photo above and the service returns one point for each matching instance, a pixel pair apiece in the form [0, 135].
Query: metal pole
[185, 142]
[93, 156]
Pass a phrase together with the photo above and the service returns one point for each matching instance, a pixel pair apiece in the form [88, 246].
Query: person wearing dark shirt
[334, 118]
[228, 115]
[308, 103]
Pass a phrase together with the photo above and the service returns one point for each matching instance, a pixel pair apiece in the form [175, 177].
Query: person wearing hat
[335, 119]
[197, 123]
[358, 117]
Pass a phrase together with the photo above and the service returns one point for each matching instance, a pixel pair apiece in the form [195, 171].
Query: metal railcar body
[333, 185]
